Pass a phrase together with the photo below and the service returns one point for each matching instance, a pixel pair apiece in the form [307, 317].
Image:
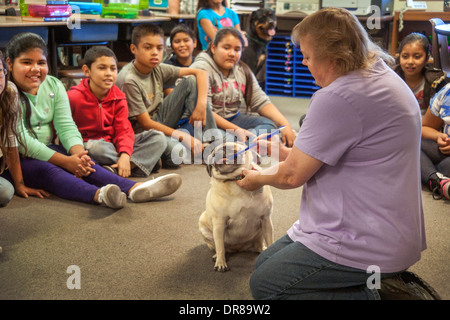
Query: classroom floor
[154, 251]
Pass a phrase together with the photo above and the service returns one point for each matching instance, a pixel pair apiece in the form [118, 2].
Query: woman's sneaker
[156, 188]
[112, 197]
[440, 186]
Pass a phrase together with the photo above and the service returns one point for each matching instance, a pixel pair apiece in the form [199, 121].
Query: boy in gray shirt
[143, 80]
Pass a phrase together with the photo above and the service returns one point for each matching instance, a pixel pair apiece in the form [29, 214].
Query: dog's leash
[254, 144]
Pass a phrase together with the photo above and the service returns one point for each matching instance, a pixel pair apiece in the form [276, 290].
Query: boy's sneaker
[156, 188]
[440, 186]
[112, 197]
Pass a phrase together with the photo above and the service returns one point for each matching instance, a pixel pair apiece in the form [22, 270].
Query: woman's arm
[292, 173]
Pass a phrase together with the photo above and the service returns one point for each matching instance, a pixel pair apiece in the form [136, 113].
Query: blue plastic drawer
[279, 92]
[90, 32]
[288, 81]
[86, 7]
[280, 68]
[8, 32]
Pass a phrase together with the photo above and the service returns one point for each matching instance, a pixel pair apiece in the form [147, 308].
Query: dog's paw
[221, 267]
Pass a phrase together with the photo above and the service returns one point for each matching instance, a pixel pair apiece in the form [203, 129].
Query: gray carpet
[154, 250]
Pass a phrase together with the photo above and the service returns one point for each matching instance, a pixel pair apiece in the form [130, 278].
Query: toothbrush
[275, 132]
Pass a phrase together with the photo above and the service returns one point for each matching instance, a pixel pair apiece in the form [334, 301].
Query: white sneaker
[112, 197]
[156, 188]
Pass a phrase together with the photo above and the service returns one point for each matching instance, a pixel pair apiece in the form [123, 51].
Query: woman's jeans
[289, 270]
[61, 183]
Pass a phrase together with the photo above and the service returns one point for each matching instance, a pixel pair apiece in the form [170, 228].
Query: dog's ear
[210, 162]
[209, 169]
[254, 21]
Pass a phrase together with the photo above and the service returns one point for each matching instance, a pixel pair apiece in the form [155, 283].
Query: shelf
[285, 73]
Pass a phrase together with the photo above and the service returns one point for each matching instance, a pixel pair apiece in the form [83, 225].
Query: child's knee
[161, 140]
[97, 148]
[6, 194]
[189, 83]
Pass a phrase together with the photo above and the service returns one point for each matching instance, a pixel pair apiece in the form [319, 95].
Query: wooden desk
[413, 15]
[179, 17]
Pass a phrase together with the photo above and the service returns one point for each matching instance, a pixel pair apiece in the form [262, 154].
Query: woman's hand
[249, 181]
[272, 147]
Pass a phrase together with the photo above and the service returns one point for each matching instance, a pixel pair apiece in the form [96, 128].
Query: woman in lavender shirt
[357, 158]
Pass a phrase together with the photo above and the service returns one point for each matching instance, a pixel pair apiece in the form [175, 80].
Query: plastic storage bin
[87, 7]
[120, 10]
[49, 11]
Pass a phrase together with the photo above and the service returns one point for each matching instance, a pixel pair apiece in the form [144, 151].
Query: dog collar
[257, 40]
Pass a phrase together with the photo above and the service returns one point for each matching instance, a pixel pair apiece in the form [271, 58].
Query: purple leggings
[59, 182]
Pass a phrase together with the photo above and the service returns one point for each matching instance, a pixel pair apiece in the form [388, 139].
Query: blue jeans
[289, 270]
[251, 122]
[6, 192]
[254, 123]
[148, 147]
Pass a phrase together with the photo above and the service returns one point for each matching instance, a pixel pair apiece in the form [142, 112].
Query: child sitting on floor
[64, 170]
[100, 111]
[234, 91]
[10, 169]
[143, 80]
[413, 67]
[183, 43]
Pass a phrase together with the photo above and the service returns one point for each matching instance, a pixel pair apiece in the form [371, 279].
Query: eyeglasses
[3, 73]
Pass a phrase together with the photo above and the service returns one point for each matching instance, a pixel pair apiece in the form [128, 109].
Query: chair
[439, 43]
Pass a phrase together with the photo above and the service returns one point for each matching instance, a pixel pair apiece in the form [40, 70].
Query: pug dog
[235, 220]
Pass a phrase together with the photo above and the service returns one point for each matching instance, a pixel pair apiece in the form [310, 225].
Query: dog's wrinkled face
[223, 164]
[264, 23]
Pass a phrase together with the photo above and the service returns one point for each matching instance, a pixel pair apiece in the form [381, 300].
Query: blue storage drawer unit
[285, 73]
[95, 32]
[8, 32]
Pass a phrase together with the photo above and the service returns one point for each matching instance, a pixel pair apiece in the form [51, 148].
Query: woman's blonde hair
[336, 34]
